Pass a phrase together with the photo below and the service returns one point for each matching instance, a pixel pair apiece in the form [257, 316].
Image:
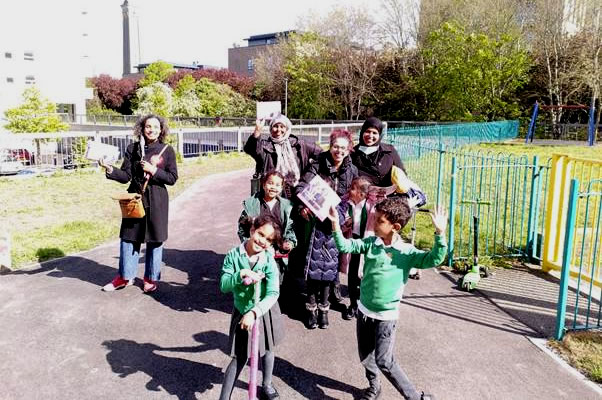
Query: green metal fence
[580, 307]
[511, 188]
[456, 135]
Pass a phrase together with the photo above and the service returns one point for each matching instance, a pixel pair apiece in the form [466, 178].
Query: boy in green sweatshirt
[387, 262]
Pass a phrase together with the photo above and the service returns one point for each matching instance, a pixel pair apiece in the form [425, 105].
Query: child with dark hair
[269, 201]
[253, 259]
[386, 268]
[354, 227]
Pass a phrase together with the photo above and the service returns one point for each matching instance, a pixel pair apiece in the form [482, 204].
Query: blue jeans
[375, 343]
[129, 255]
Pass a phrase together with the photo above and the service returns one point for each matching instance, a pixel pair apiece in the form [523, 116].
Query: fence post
[566, 259]
[533, 209]
[452, 214]
[239, 139]
[320, 135]
[439, 173]
[181, 141]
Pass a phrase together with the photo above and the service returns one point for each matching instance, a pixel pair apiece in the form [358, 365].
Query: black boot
[312, 318]
[323, 316]
[335, 293]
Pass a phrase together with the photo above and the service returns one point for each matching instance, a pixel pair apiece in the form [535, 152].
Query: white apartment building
[39, 48]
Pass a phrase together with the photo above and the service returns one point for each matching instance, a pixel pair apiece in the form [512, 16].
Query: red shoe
[117, 283]
[149, 286]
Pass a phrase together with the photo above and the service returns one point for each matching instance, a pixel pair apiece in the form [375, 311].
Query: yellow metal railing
[584, 262]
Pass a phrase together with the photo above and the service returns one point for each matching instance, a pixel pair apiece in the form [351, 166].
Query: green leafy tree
[185, 98]
[158, 71]
[472, 76]
[309, 72]
[156, 98]
[35, 114]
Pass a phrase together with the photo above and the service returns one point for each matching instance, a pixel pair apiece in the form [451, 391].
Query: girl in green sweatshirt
[253, 260]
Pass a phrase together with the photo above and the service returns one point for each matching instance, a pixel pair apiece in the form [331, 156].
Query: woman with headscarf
[282, 151]
[374, 160]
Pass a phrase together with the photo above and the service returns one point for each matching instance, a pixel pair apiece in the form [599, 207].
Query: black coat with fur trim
[153, 226]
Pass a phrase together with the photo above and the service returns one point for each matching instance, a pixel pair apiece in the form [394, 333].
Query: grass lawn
[49, 217]
[583, 350]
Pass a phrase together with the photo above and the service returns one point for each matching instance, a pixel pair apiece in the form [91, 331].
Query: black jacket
[153, 227]
[376, 167]
[264, 153]
[322, 258]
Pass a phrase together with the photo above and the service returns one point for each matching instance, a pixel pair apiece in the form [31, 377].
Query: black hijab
[371, 122]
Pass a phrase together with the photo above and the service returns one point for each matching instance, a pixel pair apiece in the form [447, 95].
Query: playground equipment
[591, 128]
[472, 278]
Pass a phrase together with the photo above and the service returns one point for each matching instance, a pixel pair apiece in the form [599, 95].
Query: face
[383, 228]
[371, 136]
[278, 130]
[261, 239]
[152, 129]
[273, 186]
[355, 193]
[339, 149]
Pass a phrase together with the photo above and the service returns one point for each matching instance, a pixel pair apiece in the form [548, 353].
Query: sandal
[149, 286]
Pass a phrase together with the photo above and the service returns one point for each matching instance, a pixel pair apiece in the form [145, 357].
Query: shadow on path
[177, 376]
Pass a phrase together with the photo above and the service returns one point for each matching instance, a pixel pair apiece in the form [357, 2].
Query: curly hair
[363, 184]
[141, 123]
[341, 133]
[396, 210]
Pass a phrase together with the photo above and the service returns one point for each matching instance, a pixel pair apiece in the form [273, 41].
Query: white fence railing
[67, 149]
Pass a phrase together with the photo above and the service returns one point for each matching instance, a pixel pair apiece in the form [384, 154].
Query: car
[10, 167]
[22, 155]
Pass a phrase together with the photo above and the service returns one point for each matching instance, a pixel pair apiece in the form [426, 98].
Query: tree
[158, 71]
[115, 94]
[309, 73]
[156, 98]
[471, 76]
[35, 114]
[351, 38]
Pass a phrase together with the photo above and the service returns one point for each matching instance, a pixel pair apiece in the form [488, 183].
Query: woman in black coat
[373, 159]
[282, 152]
[150, 159]
[322, 258]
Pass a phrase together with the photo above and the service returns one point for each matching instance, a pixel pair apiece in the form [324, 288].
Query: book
[97, 150]
[318, 196]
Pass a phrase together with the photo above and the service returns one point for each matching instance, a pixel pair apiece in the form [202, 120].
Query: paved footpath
[61, 337]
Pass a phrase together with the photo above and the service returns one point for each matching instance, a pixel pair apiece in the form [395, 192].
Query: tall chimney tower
[127, 68]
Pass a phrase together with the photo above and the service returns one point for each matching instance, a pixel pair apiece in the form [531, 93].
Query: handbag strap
[148, 176]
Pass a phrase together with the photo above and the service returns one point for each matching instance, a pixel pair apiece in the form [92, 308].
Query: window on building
[8, 55]
[28, 55]
[250, 65]
[9, 79]
[30, 80]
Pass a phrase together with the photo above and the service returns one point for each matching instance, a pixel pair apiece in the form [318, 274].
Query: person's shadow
[201, 291]
[310, 384]
[177, 376]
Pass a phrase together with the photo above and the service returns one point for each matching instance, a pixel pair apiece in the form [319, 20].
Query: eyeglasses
[339, 147]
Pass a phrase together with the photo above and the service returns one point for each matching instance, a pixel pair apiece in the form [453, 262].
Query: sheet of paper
[97, 150]
[268, 109]
[318, 196]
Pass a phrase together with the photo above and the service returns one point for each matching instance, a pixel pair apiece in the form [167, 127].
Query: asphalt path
[61, 337]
